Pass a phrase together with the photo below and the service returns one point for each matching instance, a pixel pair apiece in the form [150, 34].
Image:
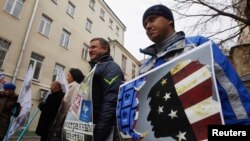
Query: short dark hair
[77, 75]
[104, 43]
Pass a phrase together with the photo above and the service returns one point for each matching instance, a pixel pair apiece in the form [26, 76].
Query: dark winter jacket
[6, 105]
[49, 111]
[107, 79]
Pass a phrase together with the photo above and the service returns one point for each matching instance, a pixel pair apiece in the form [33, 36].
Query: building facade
[240, 54]
[53, 36]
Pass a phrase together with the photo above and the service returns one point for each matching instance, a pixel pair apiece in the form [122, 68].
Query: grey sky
[130, 13]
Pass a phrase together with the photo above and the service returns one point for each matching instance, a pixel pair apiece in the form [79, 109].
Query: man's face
[158, 28]
[54, 87]
[96, 50]
[8, 92]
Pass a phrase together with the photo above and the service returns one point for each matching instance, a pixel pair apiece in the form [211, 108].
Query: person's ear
[170, 22]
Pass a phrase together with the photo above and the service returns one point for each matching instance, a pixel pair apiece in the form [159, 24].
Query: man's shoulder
[109, 63]
[198, 39]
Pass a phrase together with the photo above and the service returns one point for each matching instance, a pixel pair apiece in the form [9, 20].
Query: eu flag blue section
[127, 107]
[125, 117]
[85, 113]
[129, 86]
[128, 98]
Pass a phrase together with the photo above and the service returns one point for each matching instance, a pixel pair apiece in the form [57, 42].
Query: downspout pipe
[24, 45]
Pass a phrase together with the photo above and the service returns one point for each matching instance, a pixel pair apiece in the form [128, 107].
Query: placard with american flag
[175, 101]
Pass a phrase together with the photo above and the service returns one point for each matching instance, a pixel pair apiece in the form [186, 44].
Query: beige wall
[14, 30]
[117, 55]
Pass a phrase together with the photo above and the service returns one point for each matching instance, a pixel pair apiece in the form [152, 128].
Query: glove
[16, 109]
[41, 105]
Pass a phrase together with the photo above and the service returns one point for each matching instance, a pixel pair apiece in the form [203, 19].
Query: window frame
[58, 69]
[4, 47]
[85, 49]
[37, 60]
[111, 23]
[102, 14]
[65, 38]
[133, 70]
[92, 4]
[13, 7]
[124, 63]
[88, 25]
[117, 30]
[45, 25]
[70, 10]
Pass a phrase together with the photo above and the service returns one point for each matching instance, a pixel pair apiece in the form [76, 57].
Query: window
[111, 24]
[70, 9]
[36, 61]
[57, 71]
[124, 62]
[64, 41]
[14, 7]
[85, 51]
[88, 25]
[4, 46]
[113, 54]
[45, 25]
[92, 4]
[133, 70]
[102, 13]
[117, 30]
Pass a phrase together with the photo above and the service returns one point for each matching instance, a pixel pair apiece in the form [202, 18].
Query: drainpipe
[25, 41]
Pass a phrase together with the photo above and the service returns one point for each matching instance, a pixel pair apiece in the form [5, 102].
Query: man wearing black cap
[158, 22]
[8, 107]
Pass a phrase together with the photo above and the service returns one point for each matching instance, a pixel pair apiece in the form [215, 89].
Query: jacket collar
[151, 50]
[104, 58]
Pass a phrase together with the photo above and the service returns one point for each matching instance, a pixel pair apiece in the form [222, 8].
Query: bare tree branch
[223, 20]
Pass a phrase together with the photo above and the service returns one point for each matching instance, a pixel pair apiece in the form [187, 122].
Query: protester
[8, 107]
[106, 81]
[158, 22]
[49, 110]
[74, 78]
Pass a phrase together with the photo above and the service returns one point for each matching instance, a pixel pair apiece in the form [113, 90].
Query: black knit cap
[160, 10]
[77, 75]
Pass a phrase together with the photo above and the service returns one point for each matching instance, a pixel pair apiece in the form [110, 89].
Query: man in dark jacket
[158, 22]
[49, 110]
[107, 79]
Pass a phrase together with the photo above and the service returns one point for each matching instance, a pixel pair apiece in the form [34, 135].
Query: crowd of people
[158, 22]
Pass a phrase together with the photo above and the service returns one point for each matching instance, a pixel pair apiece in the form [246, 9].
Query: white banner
[24, 99]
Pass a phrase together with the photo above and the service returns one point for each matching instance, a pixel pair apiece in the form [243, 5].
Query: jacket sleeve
[111, 80]
[234, 96]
